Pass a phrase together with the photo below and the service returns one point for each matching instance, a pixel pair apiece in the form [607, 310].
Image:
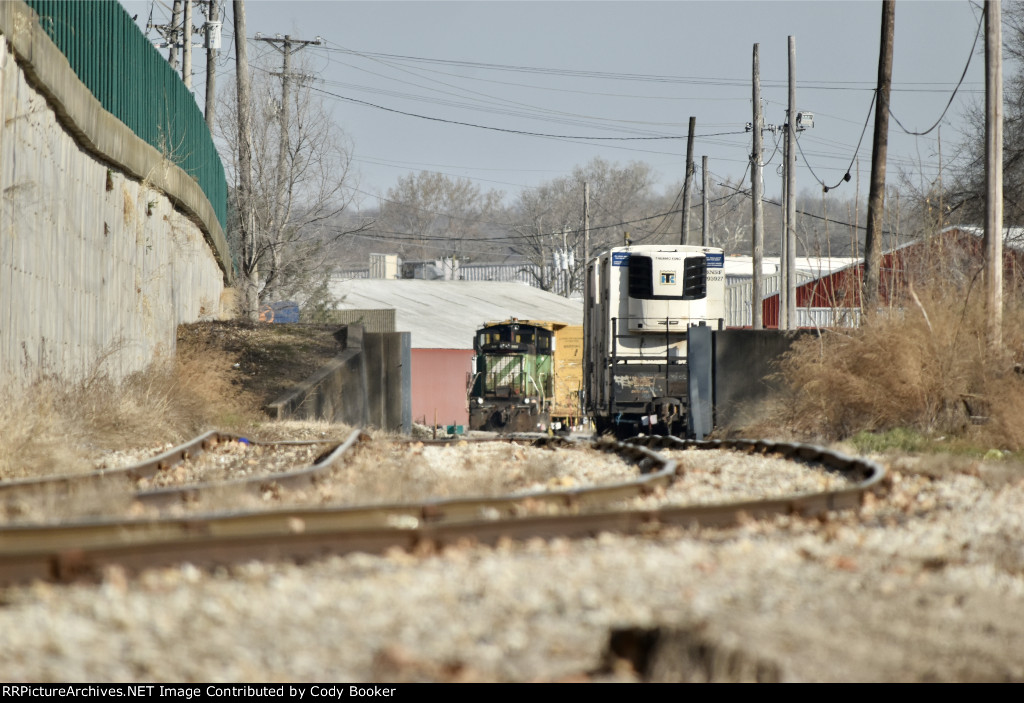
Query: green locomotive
[527, 377]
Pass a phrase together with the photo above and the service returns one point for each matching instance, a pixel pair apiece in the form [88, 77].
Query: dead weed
[55, 427]
[926, 367]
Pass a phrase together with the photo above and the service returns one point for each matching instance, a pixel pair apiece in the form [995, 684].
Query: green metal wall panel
[133, 82]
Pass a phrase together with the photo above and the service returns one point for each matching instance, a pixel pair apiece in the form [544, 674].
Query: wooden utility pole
[249, 274]
[174, 35]
[186, 46]
[789, 265]
[684, 236]
[783, 289]
[757, 193]
[288, 46]
[212, 36]
[994, 172]
[705, 233]
[586, 227]
[876, 188]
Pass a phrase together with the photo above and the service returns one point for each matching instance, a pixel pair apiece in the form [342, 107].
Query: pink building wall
[439, 385]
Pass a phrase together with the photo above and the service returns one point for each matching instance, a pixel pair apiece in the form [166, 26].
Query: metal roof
[739, 265]
[447, 314]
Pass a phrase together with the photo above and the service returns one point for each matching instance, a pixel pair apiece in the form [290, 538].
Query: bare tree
[549, 218]
[430, 215]
[292, 215]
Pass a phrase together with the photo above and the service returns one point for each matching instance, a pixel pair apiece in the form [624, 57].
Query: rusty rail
[61, 484]
[64, 552]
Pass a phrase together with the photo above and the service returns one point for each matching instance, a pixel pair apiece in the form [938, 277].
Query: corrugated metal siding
[828, 317]
[382, 320]
[133, 82]
[505, 273]
[523, 272]
[348, 274]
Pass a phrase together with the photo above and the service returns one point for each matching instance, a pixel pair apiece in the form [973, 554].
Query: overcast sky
[511, 94]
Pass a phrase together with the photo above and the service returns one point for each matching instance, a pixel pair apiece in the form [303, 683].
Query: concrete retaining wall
[105, 246]
[744, 363]
[367, 385]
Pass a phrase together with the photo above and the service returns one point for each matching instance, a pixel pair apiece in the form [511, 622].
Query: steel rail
[656, 471]
[860, 469]
[65, 552]
[254, 485]
[307, 477]
[61, 484]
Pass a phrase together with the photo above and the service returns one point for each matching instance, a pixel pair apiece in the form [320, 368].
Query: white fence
[738, 302]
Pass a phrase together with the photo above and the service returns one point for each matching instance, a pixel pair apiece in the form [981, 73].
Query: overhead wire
[390, 59]
[512, 131]
[846, 177]
[640, 77]
[977, 34]
[491, 99]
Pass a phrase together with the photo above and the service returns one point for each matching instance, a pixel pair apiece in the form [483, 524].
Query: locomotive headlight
[479, 401]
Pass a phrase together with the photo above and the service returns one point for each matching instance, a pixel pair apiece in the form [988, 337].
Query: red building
[956, 252]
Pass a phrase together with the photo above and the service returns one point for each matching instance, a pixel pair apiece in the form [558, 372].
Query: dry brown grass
[925, 366]
[55, 427]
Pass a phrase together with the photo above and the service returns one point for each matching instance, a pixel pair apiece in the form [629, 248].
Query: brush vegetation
[52, 426]
[916, 374]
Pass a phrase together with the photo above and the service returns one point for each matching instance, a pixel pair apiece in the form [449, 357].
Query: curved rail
[298, 479]
[147, 468]
[65, 552]
[144, 469]
[866, 474]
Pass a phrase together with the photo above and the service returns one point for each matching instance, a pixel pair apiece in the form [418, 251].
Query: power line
[511, 131]
[640, 77]
[951, 97]
[846, 176]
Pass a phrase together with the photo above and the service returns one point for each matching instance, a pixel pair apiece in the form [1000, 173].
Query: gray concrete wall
[365, 386]
[105, 246]
[745, 361]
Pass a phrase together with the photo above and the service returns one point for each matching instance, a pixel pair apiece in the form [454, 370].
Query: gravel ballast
[924, 583]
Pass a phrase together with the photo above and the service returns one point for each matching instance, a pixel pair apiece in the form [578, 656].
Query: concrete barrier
[367, 385]
[744, 368]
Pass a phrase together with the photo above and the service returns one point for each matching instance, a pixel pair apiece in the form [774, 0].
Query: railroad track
[83, 548]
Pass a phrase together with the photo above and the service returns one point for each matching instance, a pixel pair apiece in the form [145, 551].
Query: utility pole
[250, 300]
[174, 35]
[994, 172]
[211, 36]
[684, 237]
[287, 46]
[170, 34]
[586, 226]
[705, 227]
[880, 141]
[789, 264]
[186, 47]
[783, 288]
[757, 192]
